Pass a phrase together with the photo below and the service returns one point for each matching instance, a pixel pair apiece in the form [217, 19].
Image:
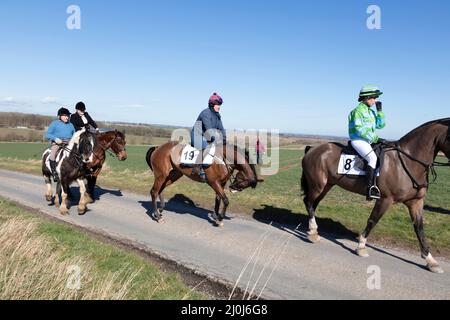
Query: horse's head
[118, 145]
[86, 144]
[246, 176]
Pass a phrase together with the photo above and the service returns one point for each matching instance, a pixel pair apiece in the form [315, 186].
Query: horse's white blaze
[362, 242]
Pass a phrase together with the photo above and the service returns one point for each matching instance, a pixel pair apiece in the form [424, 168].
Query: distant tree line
[40, 122]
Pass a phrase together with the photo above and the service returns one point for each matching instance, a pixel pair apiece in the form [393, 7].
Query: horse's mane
[444, 121]
[246, 153]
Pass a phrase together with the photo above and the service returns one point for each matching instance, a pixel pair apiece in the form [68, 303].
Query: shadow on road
[182, 205]
[329, 229]
[99, 191]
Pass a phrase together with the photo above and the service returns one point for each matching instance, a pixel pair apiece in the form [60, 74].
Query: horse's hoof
[48, 198]
[314, 238]
[218, 223]
[64, 212]
[435, 268]
[81, 212]
[362, 252]
[161, 220]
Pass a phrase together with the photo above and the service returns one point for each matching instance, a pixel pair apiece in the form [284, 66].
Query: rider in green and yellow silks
[363, 121]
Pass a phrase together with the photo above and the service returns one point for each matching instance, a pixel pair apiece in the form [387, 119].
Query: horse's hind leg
[416, 212]
[154, 193]
[378, 211]
[312, 200]
[173, 177]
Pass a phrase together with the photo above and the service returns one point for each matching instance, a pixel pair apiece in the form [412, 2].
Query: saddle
[351, 162]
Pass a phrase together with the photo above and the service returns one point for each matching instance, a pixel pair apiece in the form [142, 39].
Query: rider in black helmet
[59, 131]
[81, 119]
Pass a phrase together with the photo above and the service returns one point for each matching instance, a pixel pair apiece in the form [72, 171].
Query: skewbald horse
[403, 179]
[70, 167]
[164, 161]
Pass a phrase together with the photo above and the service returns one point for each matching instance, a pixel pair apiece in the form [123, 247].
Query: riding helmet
[63, 111]
[369, 91]
[215, 99]
[80, 106]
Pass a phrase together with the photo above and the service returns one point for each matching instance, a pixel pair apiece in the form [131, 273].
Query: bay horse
[404, 178]
[71, 163]
[164, 161]
[114, 140]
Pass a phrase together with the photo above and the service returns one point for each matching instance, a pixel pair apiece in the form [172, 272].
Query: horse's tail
[148, 157]
[304, 181]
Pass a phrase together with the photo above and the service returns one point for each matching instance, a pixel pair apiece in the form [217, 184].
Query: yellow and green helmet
[369, 91]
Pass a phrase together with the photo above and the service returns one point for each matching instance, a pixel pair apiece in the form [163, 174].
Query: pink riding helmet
[215, 99]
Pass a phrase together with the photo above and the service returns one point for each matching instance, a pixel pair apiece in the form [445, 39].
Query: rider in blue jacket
[58, 132]
[207, 129]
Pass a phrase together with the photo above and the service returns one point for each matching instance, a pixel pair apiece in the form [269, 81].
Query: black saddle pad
[377, 147]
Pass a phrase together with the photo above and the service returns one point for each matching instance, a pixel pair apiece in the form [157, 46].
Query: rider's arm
[222, 130]
[90, 120]
[380, 120]
[51, 132]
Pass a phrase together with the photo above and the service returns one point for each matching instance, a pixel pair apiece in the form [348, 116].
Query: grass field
[277, 199]
[38, 260]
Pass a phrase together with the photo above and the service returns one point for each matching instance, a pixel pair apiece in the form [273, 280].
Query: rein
[428, 167]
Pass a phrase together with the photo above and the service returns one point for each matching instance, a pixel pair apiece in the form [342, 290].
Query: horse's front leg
[49, 193]
[92, 180]
[58, 194]
[64, 190]
[378, 211]
[220, 197]
[84, 198]
[416, 212]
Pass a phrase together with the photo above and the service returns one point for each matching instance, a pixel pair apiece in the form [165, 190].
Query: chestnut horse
[403, 179]
[114, 140]
[164, 161]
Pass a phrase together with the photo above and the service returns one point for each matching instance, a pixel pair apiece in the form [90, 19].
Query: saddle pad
[351, 165]
[190, 154]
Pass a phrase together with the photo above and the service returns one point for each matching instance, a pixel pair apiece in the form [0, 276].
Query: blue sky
[291, 65]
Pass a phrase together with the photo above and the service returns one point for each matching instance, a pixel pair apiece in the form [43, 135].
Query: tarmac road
[292, 267]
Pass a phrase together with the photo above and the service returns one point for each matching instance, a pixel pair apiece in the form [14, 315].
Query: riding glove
[379, 106]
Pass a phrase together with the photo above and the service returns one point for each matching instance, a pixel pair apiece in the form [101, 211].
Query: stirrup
[374, 193]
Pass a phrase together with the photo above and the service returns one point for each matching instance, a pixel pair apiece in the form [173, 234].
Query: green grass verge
[70, 244]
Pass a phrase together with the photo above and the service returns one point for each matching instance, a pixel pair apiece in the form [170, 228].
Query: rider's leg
[200, 143]
[54, 150]
[366, 151]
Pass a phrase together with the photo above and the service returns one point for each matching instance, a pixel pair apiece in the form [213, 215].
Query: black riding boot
[372, 190]
[54, 173]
